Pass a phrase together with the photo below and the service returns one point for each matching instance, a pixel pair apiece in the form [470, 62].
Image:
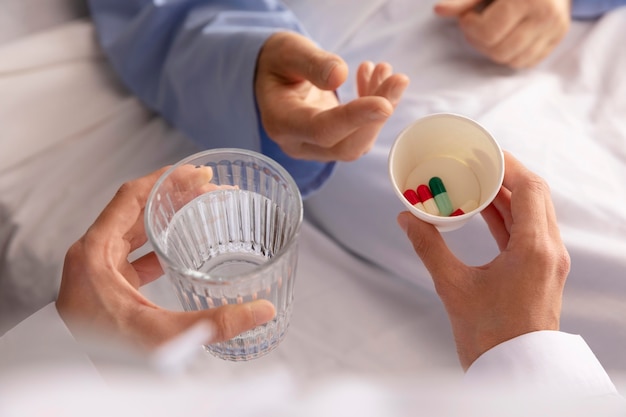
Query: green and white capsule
[441, 196]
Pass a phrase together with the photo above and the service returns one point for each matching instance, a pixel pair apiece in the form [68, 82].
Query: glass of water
[224, 224]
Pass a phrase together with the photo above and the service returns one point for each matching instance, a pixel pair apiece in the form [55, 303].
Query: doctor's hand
[520, 290]
[294, 86]
[516, 33]
[99, 289]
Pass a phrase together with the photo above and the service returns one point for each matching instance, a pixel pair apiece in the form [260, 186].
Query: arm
[200, 63]
[193, 62]
[591, 9]
[505, 314]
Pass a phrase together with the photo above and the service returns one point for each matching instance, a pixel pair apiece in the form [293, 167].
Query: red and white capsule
[466, 207]
[414, 199]
[426, 197]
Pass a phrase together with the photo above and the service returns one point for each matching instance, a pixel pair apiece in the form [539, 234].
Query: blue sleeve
[591, 9]
[193, 62]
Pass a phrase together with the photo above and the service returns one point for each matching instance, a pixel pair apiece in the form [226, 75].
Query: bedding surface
[565, 120]
[364, 303]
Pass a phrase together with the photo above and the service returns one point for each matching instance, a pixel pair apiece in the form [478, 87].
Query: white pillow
[22, 17]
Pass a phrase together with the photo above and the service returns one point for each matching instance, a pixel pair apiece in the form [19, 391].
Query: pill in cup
[459, 154]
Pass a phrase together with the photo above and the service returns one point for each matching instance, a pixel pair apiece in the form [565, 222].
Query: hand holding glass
[229, 236]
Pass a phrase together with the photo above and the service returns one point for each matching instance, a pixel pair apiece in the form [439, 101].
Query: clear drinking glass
[224, 224]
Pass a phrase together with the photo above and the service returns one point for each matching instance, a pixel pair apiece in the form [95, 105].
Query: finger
[393, 88]
[125, 210]
[492, 26]
[301, 59]
[381, 72]
[517, 43]
[515, 173]
[123, 216]
[156, 326]
[502, 203]
[553, 21]
[233, 320]
[350, 148]
[496, 223]
[451, 8]
[327, 128]
[534, 218]
[534, 54]
[363, 75]
[147, 268]
[185, 182]
[530, 198]
[431, 248]
[357, 143]
[531, 56]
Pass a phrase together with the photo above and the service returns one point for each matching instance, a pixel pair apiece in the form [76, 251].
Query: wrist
[472, 342]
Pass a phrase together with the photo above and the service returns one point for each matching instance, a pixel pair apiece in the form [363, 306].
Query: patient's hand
[512, 32]
[295, 83]
[520, 291]
[99, 289]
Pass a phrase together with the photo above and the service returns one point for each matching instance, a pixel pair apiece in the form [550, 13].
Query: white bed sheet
[82, 136]
[70, 135]
[565, 119]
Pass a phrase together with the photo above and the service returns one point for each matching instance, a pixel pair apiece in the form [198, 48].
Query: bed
[71, 134]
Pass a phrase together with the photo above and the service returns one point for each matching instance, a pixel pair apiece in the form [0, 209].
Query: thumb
[304, 60]
[429, 246]
[454, 8]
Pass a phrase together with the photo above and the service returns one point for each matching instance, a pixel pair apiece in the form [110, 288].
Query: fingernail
[396, 95]
[205, 173]
[403, 221]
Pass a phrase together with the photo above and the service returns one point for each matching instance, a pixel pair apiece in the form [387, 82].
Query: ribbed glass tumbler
[224, 224]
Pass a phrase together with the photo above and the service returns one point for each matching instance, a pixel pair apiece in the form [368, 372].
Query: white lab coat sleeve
[40, 340]
[545, 361]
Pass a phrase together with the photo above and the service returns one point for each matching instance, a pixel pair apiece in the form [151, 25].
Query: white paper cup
[456, 149]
